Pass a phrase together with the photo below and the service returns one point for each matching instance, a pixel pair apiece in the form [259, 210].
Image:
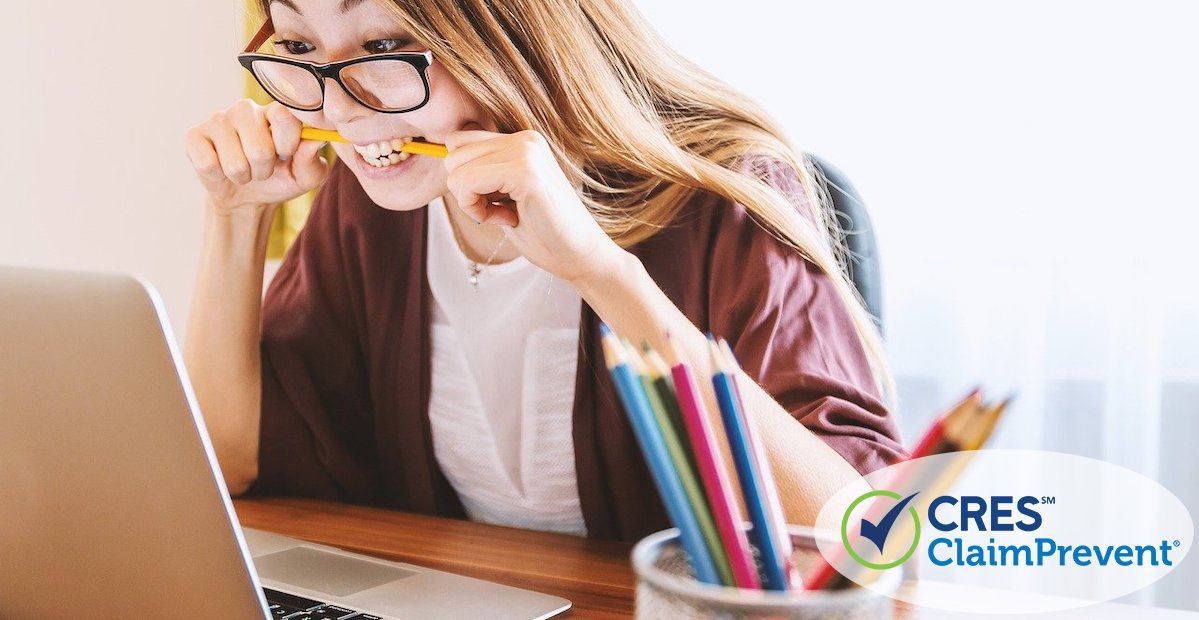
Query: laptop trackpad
[321, 571]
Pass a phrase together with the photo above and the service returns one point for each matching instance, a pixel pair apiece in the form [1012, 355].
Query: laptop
[112, 504]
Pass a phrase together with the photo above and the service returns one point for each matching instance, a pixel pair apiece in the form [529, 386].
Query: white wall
[984, 132]
[97, 98]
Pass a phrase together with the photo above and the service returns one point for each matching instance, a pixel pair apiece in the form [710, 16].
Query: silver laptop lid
[111, 501]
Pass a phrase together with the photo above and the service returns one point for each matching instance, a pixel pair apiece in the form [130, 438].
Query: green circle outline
[845, 534]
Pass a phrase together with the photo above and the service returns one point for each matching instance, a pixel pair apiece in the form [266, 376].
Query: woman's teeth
[383, 154]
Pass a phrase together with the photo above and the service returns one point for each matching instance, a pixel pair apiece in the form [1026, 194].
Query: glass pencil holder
[666, 588]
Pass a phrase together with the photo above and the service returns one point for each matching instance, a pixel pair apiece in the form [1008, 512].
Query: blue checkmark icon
[877, 532]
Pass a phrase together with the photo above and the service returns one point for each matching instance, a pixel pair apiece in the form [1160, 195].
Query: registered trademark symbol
[1178, 543]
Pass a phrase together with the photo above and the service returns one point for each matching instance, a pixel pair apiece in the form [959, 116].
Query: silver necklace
[473, 269]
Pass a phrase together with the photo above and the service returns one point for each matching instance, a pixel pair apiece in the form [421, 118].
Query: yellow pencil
[416, 148]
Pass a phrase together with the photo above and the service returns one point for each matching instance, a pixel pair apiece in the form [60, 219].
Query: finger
[465, 145]
[502, 214]
[285, 130]
[476, 188]
[491, 211]
[470, 189]
[463, 180]
[471, 153]
[500, 166]
[525, 145]
[308, 168]
[202, 154]
[257, 144]
[463, 137]
[233, 161]
[468, 160]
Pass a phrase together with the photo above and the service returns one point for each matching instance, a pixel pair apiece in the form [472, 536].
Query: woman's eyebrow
[289, 4]
[345, 7]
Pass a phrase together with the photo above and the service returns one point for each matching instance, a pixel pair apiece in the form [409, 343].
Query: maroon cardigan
[346, 358]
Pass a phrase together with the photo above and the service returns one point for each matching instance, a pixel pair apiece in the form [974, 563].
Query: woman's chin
[401, 204]
[403, 186]
[398, 197]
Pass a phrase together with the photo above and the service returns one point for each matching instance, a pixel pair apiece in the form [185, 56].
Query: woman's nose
[339, 106]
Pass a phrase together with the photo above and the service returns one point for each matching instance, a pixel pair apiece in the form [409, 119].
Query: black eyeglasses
[391, 83]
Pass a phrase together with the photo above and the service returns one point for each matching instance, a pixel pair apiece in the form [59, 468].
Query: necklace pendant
[472, 274]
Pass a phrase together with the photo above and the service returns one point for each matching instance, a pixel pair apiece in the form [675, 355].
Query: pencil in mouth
[380, 152]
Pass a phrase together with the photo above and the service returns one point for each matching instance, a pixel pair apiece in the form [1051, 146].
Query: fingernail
[285, 157]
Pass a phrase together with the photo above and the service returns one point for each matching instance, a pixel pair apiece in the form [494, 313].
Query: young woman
[427, 347]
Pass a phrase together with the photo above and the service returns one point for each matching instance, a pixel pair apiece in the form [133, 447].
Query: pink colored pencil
[712, 472]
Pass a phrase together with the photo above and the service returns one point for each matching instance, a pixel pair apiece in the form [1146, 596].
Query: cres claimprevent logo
[885, 515]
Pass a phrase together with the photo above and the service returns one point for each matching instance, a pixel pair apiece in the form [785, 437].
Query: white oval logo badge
[1063, 531]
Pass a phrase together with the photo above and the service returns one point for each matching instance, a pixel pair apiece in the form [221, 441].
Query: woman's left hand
[545, 218]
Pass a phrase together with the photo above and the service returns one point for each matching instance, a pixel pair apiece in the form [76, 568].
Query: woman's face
[324, 31]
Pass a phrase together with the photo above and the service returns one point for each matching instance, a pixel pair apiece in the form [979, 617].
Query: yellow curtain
[291, 215]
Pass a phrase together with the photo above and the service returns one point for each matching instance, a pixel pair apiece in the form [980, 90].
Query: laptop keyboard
[292, 607]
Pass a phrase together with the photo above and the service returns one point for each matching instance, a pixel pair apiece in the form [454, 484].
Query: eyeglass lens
[384, 84]
[289, 84]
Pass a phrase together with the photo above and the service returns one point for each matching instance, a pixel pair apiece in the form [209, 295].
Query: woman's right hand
[251, 155]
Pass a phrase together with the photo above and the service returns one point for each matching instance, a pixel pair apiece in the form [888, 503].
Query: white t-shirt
[504, 360]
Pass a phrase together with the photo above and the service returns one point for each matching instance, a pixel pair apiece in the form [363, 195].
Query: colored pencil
[657, 458]
[753, 486]
[659, 374]
[951, 423]
[659, 404]
[416, 148]
[774, 507]
[975, 437]
[711, 467]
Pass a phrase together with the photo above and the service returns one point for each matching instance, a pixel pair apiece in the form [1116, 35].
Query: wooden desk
[595, 575]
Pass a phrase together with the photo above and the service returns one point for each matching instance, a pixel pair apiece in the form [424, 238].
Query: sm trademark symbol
[1048, 499]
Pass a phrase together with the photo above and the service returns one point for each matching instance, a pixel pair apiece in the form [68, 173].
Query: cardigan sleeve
[315, 403]
[793, 334]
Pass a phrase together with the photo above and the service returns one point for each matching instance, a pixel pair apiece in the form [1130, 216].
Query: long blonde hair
[637, 126]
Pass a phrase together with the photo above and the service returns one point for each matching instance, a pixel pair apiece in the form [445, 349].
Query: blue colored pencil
[753, 486]
[774, 507]
[653, 446]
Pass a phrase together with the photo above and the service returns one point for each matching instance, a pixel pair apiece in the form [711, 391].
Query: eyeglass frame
[332, 70]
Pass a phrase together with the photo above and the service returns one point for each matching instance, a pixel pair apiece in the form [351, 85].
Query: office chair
[862, 252]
